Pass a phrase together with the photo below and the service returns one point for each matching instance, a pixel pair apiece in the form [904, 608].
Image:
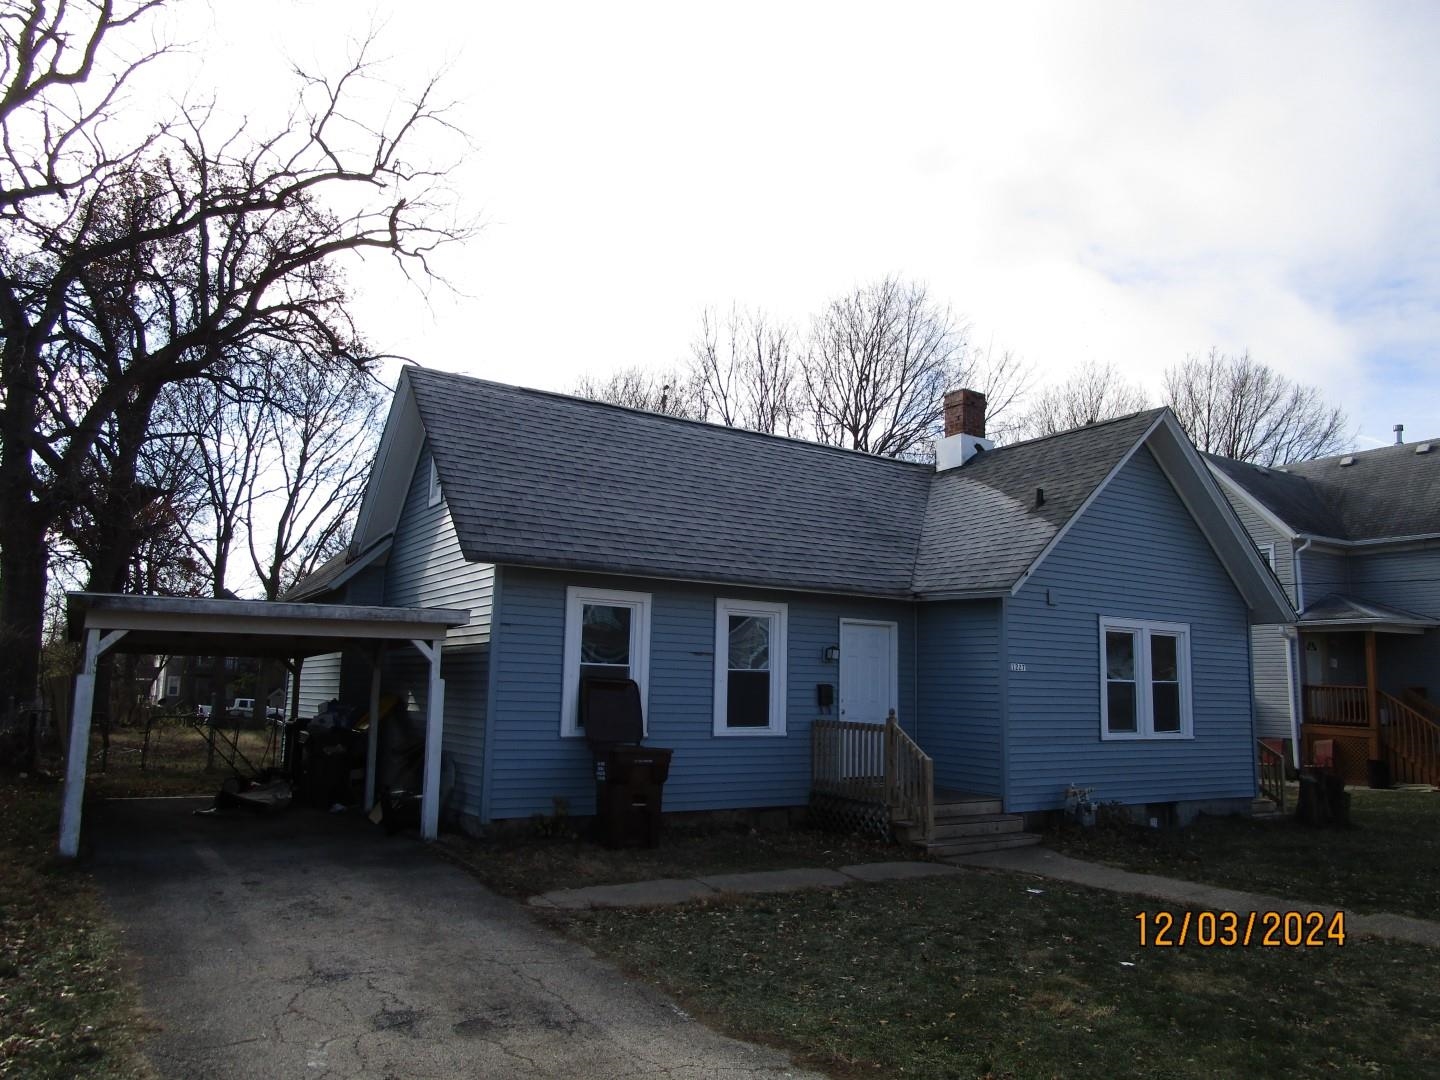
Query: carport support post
[95, 647]
[372, 740]
[434, 724]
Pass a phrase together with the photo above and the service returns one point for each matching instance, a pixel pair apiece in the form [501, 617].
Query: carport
[114, 622]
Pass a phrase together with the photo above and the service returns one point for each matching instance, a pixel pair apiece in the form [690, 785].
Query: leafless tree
[748, 367]
[124, 271]
[322, 430]
[1094, 393]
[675, 392]
[1237, 407]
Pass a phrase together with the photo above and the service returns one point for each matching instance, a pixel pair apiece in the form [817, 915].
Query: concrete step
[972, 845]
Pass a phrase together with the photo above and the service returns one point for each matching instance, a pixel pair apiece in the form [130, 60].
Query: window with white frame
[1144, 679]
[172, 686]
[607, 633]
[433, 498]
[750, 651]
[1267, 552]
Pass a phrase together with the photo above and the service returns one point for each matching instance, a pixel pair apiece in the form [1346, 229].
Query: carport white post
[95, 646]
[434, 712]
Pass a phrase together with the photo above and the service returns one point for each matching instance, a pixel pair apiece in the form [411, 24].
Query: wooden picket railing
[1412, 742]
[1272, 774]
[878, 765]
[909, 779]
[1349, 705]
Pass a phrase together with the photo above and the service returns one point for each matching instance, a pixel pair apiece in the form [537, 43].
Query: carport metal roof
[195, 626]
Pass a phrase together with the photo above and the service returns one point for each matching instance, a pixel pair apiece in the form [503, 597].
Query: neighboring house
[184, 682]
[1071, 610]
[1355, 541]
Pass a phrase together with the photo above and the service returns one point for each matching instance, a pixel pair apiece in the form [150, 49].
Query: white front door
[867, 670]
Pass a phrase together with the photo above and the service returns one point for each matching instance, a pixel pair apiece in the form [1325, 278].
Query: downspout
[915, 670]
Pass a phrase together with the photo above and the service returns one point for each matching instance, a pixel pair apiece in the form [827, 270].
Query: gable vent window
[434, 495]
[1144, 680]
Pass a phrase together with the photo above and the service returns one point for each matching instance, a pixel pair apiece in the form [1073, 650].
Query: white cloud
[1128, 183]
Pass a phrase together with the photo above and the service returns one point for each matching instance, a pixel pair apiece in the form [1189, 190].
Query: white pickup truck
[244, 707]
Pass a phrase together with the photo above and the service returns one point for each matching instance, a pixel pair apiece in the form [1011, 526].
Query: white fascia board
[1261, 510]
[1084, 506]
[394, 467]
[1214, 511]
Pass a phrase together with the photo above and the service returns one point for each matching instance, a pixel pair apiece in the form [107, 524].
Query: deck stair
[966, 824]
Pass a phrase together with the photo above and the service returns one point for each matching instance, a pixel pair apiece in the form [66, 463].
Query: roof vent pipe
[1399, 434]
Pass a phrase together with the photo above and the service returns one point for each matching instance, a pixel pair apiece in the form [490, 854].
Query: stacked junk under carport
[321, 762]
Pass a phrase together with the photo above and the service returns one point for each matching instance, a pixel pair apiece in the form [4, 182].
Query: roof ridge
[669, 417]
[1093, 426]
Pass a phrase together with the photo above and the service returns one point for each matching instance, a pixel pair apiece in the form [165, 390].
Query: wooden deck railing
[1272, 774]
[1337, 705]
[1412, 742]
[909, 779]
[877, 764]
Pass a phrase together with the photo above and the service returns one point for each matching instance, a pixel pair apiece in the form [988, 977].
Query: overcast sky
[1102, 181]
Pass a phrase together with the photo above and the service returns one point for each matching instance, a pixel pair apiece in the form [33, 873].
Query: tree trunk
[22, 603]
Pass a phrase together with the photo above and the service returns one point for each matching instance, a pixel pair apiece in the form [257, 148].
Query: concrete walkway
[1045, 863]
[667, 891]
[306, 945]
[1038, 861]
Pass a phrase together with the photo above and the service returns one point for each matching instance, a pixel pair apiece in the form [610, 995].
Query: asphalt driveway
[306, 945]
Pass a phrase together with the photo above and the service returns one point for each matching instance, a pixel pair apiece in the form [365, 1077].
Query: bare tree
[747, 366]
[122, 272]
[1237, 407]
[323, 429]
[1094, 393]
[674, 392]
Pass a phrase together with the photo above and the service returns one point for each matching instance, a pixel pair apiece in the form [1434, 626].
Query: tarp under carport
[116, 622]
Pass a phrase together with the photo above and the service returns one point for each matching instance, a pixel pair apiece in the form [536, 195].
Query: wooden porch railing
[878, 764]
[909, 779]
[1337, 705]
[1412, 742]
[1272, 774]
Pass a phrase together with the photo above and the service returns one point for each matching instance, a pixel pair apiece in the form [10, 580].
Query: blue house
[1355, 542]
[1070, 610]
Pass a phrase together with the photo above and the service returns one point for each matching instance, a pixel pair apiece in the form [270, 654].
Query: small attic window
[1348, 459]
[434, 496]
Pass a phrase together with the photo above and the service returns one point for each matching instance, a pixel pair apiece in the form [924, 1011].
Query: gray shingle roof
[1341, 608]
[1385, 493]
[543, 479]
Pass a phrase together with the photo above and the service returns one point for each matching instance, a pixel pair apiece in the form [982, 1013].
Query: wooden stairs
[967, 824]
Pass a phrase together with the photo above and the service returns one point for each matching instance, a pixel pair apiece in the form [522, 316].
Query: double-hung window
[607, 633]
[1144, 680]
[750, 651]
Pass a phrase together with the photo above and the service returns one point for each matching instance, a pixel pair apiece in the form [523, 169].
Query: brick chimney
[965, 413]
[964, 430]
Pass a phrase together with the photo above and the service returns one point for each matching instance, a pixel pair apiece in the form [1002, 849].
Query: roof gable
[542, 479]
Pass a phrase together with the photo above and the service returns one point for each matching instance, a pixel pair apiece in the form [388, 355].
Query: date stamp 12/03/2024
[1239, 929]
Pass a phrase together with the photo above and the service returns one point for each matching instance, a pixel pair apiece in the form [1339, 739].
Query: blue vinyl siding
[427, 569]
[1273, 703]
[960, 705]
[1135, 553]
[1322, 573]
[1263, 533]
[1410, 580]
[531, 765]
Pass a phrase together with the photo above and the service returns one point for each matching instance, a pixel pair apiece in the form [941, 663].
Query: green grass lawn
[1388, 860]
[525, 863]
[981, 976]
[66, 1005]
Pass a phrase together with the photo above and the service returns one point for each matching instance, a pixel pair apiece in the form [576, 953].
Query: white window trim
[1144, 700]
[1267, 552]
[575, 597]
[433, 497]
[779, 661]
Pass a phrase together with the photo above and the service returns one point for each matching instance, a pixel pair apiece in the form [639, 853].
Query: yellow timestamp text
[1238, 929]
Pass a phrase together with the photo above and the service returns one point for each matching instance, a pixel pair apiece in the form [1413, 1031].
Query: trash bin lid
[610, 710]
